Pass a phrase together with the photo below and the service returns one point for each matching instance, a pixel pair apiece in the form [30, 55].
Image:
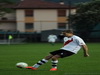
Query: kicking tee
[73, 44]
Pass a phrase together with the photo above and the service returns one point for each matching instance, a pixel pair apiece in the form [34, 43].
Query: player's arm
[85, 50]
[84, 46]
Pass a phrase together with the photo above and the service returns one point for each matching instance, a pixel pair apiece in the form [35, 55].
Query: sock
[41, 62]
[54, 64]
[53, 44]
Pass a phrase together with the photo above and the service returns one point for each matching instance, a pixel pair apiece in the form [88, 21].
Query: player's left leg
[58, 54]
[54, 62]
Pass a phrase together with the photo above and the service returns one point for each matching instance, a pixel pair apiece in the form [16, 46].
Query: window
[61, 13]
[28, 13]
[61, 25]
[29, 26]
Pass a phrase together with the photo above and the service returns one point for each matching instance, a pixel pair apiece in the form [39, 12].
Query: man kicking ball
[70, 47]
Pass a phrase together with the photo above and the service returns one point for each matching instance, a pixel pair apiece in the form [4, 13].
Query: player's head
[67, 33]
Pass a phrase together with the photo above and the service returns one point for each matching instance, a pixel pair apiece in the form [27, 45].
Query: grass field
[31, 53]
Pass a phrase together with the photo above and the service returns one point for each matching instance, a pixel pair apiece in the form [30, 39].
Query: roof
[39, 4]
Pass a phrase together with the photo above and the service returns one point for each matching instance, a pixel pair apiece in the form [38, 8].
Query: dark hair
[68, 31]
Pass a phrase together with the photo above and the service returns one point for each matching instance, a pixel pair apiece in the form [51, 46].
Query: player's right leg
[41, 62]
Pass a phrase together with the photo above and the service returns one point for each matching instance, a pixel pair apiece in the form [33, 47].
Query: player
[10, 37]
[70, 47]
[52, 38]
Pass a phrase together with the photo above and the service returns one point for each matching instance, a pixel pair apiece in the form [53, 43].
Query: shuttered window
[29, 26]
[29, 13]
[61, 13]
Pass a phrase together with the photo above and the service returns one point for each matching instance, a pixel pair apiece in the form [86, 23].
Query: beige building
[37, 15]
[8, 22]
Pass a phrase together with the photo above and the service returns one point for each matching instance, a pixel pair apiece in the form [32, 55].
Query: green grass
[31, 53]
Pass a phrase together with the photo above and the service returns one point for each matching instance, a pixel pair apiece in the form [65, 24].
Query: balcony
[7, 20]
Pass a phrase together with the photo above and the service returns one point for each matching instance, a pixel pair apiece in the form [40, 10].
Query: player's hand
[86, 55]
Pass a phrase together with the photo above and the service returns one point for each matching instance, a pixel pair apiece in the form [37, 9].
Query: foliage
[3, 7]
[87, 15]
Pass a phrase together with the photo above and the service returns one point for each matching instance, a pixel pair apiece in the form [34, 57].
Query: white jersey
[65, 39]
[52, 38]
[73, 44]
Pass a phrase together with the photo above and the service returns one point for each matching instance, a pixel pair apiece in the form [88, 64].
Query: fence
[18, 37]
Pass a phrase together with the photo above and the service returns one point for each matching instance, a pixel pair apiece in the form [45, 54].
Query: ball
[21, 65]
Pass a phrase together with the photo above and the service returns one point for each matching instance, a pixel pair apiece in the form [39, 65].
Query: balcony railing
[7, 20]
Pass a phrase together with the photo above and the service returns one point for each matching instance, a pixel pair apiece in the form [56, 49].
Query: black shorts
[62, 53]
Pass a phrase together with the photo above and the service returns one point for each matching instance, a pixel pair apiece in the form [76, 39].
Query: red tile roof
[38, 4]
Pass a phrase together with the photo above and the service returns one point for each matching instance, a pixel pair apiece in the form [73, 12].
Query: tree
[87, 16]
[3, 8]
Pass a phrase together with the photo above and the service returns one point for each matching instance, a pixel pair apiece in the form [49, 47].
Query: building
[8, 22]
[37, 15]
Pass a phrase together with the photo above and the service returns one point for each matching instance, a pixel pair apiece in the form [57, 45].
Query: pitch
[31, 53]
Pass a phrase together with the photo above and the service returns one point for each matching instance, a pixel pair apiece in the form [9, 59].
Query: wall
[7, 26]
[45, 19]
[9, 22]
